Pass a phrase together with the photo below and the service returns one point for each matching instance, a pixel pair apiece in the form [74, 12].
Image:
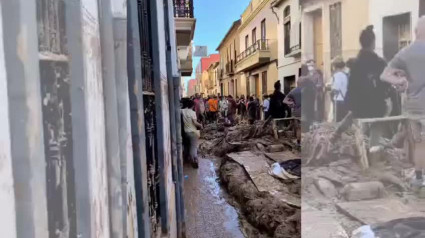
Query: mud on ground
[263, 210]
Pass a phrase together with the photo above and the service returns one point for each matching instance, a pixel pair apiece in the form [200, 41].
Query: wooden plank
[378, 211]
[382, 119]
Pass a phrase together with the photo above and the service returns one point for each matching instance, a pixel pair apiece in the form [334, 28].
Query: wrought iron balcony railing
[260, 45]
[183, 8]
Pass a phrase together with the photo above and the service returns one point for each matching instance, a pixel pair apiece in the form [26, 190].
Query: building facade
[258, 57]
[84, 150]
[191, 86]
[202, 72]
[229, 49]
[288, 14]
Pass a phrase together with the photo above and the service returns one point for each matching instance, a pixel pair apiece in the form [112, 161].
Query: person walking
[339, 88]
[213, 103]
[252, 110]
[242, 107]
[258, 111]
[266, 106]
[223, 107]
[232, 109]
[207, 110]
[192, 133]
[406, 72]
[316, 76]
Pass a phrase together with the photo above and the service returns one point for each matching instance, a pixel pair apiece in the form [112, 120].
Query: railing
[183, 8]
[259, 45]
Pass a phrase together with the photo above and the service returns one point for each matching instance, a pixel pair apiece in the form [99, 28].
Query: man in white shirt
[266, 106]
[339, 88]
[191, 125]
[223, 106]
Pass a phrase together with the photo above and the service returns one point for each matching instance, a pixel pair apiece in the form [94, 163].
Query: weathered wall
[378, 9]
[7, 197]
[254, 20]
[167, 190]
[119, 11]
[95, 119]
[23, 87]
[288, 66]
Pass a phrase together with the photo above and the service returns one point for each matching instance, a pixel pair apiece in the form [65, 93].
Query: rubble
[353, 182]
[269, 204]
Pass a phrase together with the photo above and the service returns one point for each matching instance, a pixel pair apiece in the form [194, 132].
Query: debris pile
[264, 207]
[346, 177]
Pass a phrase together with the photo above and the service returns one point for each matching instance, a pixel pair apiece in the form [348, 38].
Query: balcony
[185, 30]
[254, 56]
[184, 21]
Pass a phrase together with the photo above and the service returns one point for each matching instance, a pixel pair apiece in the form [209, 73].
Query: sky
[213, 19]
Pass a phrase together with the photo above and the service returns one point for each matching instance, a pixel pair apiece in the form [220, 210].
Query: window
[421, 8]
[246, 42]
[287, 37]
[264, 82]
[287, 29]
[287, 12]
[51, 26]
[254, 36]
[300, 36]
[263, 29]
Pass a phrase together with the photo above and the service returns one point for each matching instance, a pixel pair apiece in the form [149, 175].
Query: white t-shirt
[340, 84]
[188, 116]
[266, 105]
[223, 105]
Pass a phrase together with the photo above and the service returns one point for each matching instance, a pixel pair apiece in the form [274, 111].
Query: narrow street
[208, 214]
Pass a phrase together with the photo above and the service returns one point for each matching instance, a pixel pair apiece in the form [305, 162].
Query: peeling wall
[95, 119]
[7, 197]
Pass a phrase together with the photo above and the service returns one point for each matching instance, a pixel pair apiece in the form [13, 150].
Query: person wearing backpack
[339, 88]
[366, 93]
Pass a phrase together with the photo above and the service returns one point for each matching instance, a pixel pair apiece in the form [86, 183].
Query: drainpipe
[174, 109]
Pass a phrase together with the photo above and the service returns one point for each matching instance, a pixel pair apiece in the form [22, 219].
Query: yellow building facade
[229, 48]
[257, 61]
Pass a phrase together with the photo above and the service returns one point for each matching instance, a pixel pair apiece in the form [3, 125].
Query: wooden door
[318, 40]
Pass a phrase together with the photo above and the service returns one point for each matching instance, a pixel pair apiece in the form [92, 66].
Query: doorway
[257, 85]
[288, 84]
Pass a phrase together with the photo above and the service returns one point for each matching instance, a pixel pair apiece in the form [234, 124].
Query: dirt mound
[264, 211]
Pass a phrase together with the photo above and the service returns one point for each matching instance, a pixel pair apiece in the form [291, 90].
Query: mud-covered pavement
[208, 212]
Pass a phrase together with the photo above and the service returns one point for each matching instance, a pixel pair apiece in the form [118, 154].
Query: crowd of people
[370, 86]
[198, 111]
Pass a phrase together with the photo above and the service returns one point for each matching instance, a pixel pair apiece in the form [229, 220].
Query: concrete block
[275, 148]
[363, 191]
[326, 187]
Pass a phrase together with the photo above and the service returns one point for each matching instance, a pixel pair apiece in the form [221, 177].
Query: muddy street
[208, 214]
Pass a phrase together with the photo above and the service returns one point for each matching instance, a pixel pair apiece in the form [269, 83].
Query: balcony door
[254, 36]
[263, 29]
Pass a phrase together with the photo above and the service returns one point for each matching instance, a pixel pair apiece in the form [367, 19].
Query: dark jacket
[366, 93]
[278, 109]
